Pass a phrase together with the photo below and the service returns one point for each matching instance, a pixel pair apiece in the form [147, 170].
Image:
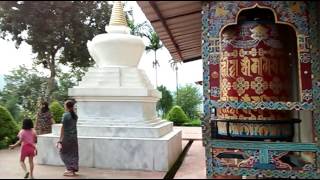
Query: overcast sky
[188, 72]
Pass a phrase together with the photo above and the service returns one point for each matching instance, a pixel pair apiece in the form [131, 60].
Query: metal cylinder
[254, 66]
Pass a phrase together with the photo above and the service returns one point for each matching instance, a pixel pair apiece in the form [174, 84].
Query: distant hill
[2, 82]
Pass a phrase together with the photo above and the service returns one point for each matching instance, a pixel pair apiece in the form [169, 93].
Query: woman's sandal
[69, 173]
[26, 175]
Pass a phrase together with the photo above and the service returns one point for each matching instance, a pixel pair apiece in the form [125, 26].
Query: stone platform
[121, 153]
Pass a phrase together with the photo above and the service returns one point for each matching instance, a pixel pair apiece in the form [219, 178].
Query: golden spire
[118, 17]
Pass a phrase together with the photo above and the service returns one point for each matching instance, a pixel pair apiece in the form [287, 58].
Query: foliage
[154, 41]
[11, 104]
[137, 29]
[174, 65]
[166, 102]
[8, 128]
[57, 111]
[26, 114]
[145, 30]
[23, 87]
[188, 99]
[154, 45]
[177, 116]
[66, 81]
[57, 30]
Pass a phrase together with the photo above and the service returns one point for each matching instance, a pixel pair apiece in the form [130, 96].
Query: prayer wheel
[254, 67]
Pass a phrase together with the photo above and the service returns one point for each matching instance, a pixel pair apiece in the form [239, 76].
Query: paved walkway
[10, 169]
[193, 166]
[194, 133]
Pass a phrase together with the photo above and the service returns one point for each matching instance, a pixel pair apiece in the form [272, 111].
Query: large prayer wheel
[254, 67]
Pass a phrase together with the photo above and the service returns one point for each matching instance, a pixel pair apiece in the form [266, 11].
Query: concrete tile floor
[10, 169]
[193, 166]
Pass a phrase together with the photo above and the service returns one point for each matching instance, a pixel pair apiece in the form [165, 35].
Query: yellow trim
[117, 15]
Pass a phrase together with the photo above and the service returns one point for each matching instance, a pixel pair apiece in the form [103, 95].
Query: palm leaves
[174, 65]
[154, 45]
[137, 29]
[154, 41]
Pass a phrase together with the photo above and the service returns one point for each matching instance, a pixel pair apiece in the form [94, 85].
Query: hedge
[57, 111]
[177, 116]
[8, 128]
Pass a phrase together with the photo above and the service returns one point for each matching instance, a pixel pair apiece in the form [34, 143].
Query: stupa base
[150, 154]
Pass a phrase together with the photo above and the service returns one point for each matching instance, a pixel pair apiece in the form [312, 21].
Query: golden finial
[118, 17]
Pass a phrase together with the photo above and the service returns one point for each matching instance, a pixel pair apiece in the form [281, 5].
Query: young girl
[27, 137]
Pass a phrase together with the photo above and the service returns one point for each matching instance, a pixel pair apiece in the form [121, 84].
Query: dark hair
[70, 105]
[27, 124]
[45, 107]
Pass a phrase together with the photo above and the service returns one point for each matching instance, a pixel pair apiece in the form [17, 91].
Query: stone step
[93, 83]
[97, 76]
[99, 130]
[121, 123]
[111, 79]
[99, 70]
[113, 82]
[122, 91]
[124, 120]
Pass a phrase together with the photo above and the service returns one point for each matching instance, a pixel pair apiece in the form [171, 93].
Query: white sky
[188, 72]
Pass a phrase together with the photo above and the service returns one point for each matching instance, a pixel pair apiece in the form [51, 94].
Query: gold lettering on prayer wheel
[254, 68]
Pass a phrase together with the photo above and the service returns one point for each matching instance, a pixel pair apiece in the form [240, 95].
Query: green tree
[145, 30]
[174, 66]
[65, 81]
[22, 89]
[137, 29]
[25, 88]
[177, 116]
[8, 128]
[57, 30]
[11, 104]
[189, 98]
[57, 111]
[154, 44]
[166, 102]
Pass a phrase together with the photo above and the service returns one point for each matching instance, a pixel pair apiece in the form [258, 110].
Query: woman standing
[44, 120]
[68, 143]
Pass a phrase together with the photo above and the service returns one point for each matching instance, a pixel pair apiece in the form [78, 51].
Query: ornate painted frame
[303, 17]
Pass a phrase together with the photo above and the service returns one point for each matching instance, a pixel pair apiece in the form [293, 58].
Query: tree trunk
[177, 81]
[156, 64]
[51, 81]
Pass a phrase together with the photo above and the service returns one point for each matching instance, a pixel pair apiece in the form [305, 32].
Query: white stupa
[118, 127]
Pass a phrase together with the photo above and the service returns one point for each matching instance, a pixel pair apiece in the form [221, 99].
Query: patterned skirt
[43, 128]
[69, 153]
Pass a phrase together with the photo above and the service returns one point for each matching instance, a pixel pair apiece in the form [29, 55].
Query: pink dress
[28, 139]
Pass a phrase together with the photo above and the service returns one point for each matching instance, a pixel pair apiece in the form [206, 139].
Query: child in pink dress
[27, 139]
